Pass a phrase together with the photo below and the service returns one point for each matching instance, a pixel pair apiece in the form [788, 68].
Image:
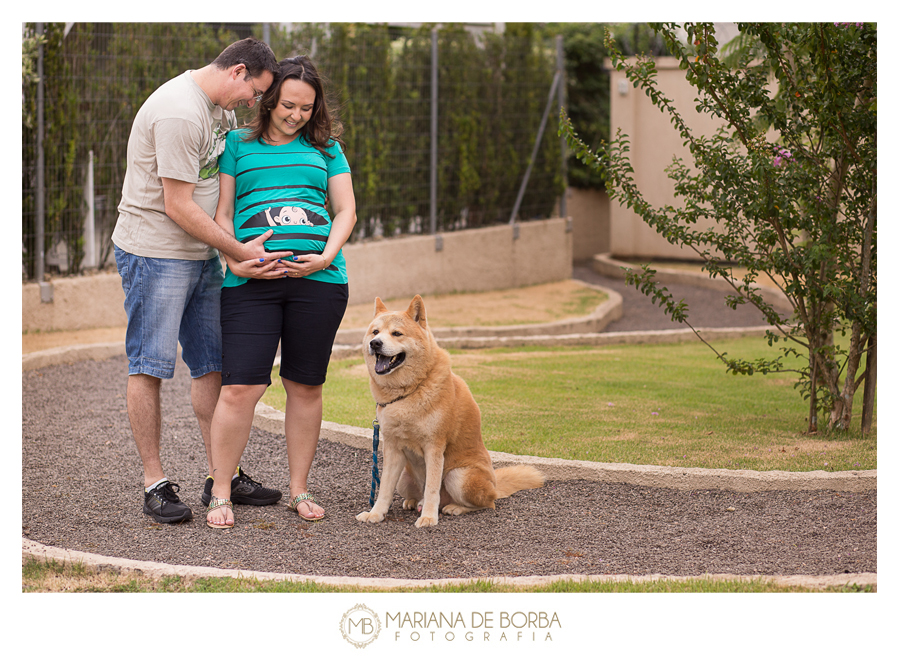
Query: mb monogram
[360, 626]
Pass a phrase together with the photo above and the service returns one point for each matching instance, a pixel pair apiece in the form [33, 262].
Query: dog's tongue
[382, 363]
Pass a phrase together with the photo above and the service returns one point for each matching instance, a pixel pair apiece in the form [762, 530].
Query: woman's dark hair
[321, 129]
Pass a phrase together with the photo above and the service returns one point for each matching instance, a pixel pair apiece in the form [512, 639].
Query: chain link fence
[425, 158]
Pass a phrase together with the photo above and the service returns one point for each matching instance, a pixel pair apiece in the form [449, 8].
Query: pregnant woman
[278, 174]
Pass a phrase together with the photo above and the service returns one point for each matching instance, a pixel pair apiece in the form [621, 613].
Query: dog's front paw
[426, 521]
[370, 517]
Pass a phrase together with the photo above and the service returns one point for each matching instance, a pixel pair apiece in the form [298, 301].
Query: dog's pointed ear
[416, 311]
[379, 307]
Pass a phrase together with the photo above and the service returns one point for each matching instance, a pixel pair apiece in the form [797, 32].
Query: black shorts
[304, 314]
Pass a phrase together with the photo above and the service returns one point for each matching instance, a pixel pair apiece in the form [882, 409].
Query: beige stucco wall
[654, 143]
[84, 302]
[589, 210]
[472, 260]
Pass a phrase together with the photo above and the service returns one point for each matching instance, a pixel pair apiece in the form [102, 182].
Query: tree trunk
[868, 412]
[843, 407]
[841, 412]
[813, 425]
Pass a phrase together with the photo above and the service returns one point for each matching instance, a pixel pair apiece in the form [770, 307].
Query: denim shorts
[303, 315]
[170, 301]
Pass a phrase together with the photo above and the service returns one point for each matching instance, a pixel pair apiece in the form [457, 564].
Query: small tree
[790, 182]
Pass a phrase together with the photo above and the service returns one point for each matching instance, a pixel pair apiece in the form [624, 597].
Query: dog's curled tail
[511, 479]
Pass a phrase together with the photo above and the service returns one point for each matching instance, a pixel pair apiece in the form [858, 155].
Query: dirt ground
[549, 302]
[39, 341]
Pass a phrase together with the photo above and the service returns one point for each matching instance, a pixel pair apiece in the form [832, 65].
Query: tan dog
[434, 455]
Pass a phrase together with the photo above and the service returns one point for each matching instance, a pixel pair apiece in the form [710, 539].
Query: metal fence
[441, 124]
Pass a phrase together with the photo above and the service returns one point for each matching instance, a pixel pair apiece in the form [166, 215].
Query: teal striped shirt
[283, 188]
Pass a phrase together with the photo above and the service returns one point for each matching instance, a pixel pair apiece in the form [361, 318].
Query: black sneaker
[244, 491]
[163, 504]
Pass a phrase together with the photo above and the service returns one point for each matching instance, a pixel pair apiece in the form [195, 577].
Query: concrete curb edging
[659, 337]
[670, 477]
[158, 570]
[609, 338]
[71, 354]
[101, 351]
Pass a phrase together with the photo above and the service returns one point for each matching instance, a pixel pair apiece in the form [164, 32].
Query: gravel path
[81, 490]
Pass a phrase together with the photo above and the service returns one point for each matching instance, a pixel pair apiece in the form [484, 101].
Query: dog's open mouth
[385, 364]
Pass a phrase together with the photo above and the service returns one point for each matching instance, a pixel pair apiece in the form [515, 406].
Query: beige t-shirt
[178, 133]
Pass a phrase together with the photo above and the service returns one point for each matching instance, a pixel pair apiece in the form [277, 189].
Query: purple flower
[782, 155]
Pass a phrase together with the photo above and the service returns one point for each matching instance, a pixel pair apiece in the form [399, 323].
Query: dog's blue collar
[384, 404]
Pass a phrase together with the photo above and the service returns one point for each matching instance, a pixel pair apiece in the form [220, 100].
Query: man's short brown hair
[252, 53]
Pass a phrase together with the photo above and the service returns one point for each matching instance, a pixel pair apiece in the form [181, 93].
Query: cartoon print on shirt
[211, 168]
[284, 216]
[290, 216]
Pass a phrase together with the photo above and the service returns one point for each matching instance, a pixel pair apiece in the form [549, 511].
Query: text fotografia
[479, 626]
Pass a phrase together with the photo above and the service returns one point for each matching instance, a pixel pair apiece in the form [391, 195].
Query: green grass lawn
[51, 576]
[667, 405]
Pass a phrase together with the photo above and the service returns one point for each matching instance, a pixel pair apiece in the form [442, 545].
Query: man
[166, 244]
